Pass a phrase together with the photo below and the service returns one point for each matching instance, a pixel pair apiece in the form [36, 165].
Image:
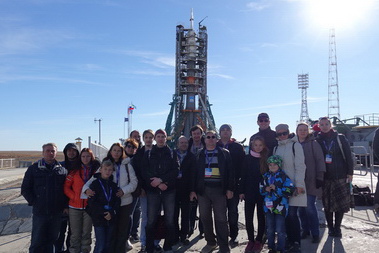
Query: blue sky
[65, 62]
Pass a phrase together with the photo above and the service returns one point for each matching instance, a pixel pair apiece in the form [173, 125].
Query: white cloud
[153, 58]
[222, 76]
[155, 114]
[258, 5]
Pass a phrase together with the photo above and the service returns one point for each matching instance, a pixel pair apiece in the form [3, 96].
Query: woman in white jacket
[293, 165]
[125, 177]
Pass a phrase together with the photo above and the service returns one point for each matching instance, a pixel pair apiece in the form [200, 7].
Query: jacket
[270, 138]
[96, 204]
[339, 168]
[74, 184]
[237, 154]
[42, 187]
[160, 162]
[251, 177]
[226, 171]
[315, 165]
[276, 201]
[294, 167]
[70, 165]
[127, 181]
[186, 169]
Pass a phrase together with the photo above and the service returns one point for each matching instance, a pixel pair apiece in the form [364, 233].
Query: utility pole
[333, 93]
[99, 120]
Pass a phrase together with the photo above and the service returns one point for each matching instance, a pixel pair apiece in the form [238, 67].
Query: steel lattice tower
[303, 84]
[333, 93]
[190, 105]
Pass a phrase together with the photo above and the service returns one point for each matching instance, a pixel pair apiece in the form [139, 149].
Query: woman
[314, 177]
[254, 166]
[80, 221]
[293, 165]
[125, 178]
[338, 176]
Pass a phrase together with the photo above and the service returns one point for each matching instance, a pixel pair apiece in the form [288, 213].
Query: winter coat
[339, 168]
[238, 154]
[186, 169]
[226, 171]
[315, 165]
[277, 198]
[270, 138]
[42, 187]
[251, 177]
[97, 203]
[74, 184]
[293, 165]
[127, 181]
[160, 162]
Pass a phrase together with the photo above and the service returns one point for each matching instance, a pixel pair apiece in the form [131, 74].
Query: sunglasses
[263, 120]
[130, 146]
[211, 137]
[280, 134]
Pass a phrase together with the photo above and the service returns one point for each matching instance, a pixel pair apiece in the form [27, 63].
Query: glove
[319, 183]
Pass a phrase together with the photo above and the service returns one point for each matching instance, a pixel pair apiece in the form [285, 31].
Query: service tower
[190, 104]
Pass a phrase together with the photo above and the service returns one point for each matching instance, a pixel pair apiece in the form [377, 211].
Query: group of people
[280, 177]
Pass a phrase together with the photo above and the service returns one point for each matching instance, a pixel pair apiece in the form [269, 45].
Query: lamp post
[99, 120]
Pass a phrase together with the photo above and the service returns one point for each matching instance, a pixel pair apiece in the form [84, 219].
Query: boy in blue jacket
[276, 187]
[103, 206]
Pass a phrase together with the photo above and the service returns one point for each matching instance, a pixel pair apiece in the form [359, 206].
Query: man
[187, 162]
[160, 169]
[137, 136]
[42, 188]
[238, 155]
[265, 131]
[71, 160]
[213, 184]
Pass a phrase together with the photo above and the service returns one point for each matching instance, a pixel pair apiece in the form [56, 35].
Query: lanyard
[181, 156]
[209, 160]
[86, 171]
[118, 173]
[107, 197]
[328, 148]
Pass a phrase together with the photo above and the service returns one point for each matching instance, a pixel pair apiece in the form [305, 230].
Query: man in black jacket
[42, 188]
[238, 155]
[187, 162]
[265, 131]
[160, 170]
[213, 184]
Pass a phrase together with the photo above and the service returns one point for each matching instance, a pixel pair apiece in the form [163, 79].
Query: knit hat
[282, 127]
[160, 131]
[275, 159]
[226, 126]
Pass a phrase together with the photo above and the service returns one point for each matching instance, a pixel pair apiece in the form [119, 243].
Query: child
[254, 166]
[276, 187]
[103, 206]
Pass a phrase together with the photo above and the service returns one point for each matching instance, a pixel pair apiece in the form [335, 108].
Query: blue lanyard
[328, 148]
[118, 173]
[181, 156]
[86, 171]
[209, 160]
[107, 197]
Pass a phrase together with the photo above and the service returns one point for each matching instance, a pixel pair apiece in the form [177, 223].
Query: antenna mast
[303, 84]
[333, 93]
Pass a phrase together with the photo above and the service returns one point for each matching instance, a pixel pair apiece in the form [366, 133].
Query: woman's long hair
[109, 155]
[264, 153]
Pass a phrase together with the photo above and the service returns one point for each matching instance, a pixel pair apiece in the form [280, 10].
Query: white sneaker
[129, 245]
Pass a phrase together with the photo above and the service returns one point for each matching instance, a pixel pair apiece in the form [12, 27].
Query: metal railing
[7, 163]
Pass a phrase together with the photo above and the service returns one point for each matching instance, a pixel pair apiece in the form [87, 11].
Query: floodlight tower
[303, 84]
[190, 105]
[333, 93]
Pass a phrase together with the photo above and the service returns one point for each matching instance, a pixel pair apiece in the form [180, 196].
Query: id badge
[180, 174]
[106, 207]
[269, 204]
[208, 172]
[328, 158]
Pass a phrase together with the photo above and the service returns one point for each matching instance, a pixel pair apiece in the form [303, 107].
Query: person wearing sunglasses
[213, 183]
[294, 166]
[266, 132]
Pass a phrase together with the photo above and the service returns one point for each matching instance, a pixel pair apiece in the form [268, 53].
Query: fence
[7, 163]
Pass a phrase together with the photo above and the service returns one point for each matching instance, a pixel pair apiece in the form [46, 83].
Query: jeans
[103, 238]
[293, 225]
[155, 200]
[249, 218]
[309, 217]
[182, 206]
[233, 216]
[45, 231]
[81, 228]
[135, 217]
[143, 202]
[276, 223]
[193, 214]
[214, 199]
[120, 230]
